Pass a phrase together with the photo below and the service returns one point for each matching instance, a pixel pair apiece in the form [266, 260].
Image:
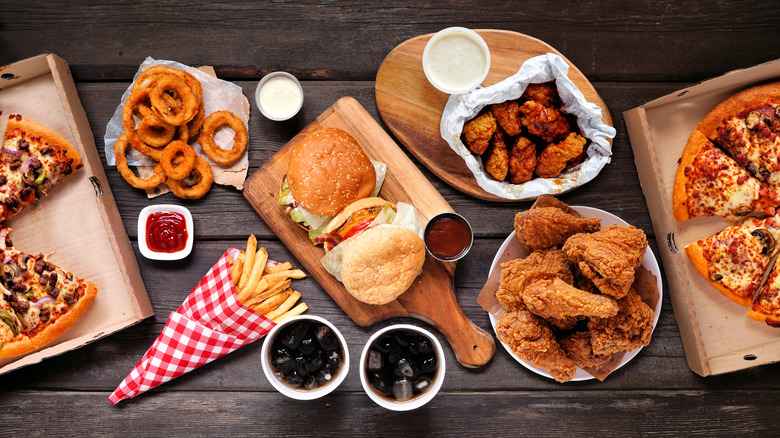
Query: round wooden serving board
[411, 107]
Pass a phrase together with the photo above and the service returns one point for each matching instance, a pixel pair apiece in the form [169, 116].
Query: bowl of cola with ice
[305, 357]
[402, 367]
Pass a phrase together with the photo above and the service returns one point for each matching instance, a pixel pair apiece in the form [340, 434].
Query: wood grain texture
[412, 108]
[432, 296]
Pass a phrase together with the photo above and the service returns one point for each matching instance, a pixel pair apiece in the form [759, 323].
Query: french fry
[254, 277]
[235, 271]
[295, 311]
[280, 267]
[290, 273]
[285, 306]
[249, 260]
[263, 295]
[272, 303]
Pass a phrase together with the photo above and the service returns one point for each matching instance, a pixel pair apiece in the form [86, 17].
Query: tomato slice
[358, 227]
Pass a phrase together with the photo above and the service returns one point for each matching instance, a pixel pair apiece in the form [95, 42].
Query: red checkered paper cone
[209, 324]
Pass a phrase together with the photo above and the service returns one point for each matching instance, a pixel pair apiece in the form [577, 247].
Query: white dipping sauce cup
[456, 60]
[279, 96]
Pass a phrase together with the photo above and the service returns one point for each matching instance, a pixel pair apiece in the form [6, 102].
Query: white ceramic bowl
[414, 402]
[144, 247]
[266, 105]
[454, 62]
[295, 393]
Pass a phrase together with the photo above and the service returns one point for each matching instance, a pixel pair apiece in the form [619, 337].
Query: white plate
[649, 262]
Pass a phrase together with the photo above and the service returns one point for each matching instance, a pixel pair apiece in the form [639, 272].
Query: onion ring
[173, 114]
[120, 152]
[128, 124]
[178, 169]
[196, 123]
[215, 121]
[155, 132]
[148, 76]
[204, 177]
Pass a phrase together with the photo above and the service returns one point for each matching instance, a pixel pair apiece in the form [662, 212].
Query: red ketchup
[166, 231]
[448, 236]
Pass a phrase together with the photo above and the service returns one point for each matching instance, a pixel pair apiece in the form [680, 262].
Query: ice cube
[424, 345]
[428, 364]
[402, 389]
[421, 384]
[307, 345]
[325, 374]
[384, 343]
[327, 338]
[403, 368]
[381, 384]
[375, 361]
[334, 358]
[294, 378]
[282, 361]
[315, 361]
[293, 334]
[311, 383]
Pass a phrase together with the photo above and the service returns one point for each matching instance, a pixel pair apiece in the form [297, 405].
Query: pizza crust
[52, 332]
[696, 254]
[752, 96]
[696, 142]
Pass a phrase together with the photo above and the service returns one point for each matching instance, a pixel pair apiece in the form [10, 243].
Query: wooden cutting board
[411, 107]
[431, 297]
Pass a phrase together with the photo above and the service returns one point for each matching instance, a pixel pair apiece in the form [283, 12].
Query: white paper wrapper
[543, 68]
[217, 95]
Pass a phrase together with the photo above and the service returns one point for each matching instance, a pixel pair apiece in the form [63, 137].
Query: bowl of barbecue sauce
[448, 236]
[165, 232]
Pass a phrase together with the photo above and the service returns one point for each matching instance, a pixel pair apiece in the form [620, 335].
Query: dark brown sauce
[447, 237]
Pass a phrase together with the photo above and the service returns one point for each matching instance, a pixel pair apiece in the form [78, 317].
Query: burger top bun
[328, 170]
[381, 263]
[360, 204]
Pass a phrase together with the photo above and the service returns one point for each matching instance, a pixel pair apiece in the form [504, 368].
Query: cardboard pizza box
[78, 222]
[717, 335]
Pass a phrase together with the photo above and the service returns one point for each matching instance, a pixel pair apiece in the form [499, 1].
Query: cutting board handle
[439, 306]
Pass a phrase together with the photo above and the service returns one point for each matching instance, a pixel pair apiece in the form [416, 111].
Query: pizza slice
[748, 136]
[710, 183]
[33, 159]
[766, 306]
[734, 260]
[39, 300]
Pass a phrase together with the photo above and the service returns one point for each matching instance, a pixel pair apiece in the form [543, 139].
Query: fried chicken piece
[554, 298]
[546, 227]
[479, 131]
[608, 257]
[522, 161]
[507, 116]
[547, 123]
[532, 340]
[497, 163]
[578, 348]
[556, 156]
[545, 94]
[519, 273]
[631, 328]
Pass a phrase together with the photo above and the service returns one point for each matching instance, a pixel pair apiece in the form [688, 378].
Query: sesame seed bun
[328, 170]
[381, 263]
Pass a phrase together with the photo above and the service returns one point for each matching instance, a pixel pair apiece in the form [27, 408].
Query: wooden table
[632, 53]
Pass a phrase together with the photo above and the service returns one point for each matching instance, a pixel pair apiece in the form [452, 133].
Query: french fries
[266, 289]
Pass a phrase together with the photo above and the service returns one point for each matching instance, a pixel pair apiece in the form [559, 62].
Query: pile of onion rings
[162, 115]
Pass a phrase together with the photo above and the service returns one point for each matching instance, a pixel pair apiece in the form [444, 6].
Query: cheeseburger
[375, 249]
[328, 170]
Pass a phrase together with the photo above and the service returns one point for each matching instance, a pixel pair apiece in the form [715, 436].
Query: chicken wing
[519, 273]
[578, 348]
[554, 298]
[522, 161]
[478, 132]
[532, 340]
[631, 328]
[608, 257]
[497, 163]
[547, 123]
[556, 156]
[544, 94]
[507, 116]
[547, 227]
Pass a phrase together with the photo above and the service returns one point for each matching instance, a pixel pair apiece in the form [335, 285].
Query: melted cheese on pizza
[749, 138]
[717, 186]
[29, 168]
[34, 293]
[767, 302]
[738, 256]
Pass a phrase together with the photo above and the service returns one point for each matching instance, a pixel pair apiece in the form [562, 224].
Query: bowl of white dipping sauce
[456, 60]
[279, 96]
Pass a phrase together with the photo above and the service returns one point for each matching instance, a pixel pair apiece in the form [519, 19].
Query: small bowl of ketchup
[448, 236]
[165, 232]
